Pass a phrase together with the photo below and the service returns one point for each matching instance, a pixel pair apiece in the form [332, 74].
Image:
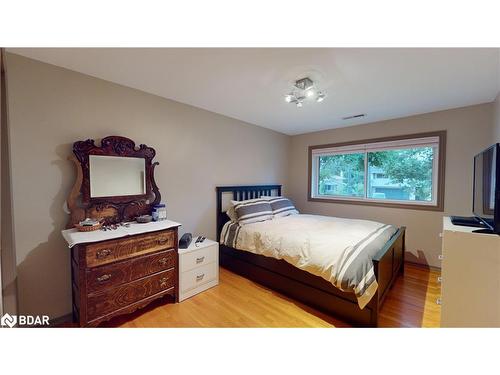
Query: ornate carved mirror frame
[117, 208]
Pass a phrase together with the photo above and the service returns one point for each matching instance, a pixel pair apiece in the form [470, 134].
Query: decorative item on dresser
[198, 268]
[121, 267]
[470, 282]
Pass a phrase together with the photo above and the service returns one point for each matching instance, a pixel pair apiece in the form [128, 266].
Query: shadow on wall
[44, 276]
[420, 258]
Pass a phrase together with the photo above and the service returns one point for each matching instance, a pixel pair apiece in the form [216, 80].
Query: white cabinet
[470, 286]
[198, 268]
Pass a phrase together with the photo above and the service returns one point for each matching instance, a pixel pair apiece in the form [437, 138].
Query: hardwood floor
[238, 302]
[412, 300]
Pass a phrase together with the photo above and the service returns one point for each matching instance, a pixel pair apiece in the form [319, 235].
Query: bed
[299, 284]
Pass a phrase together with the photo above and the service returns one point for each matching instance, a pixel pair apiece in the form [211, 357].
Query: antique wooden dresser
[128, 265]
[118, 276]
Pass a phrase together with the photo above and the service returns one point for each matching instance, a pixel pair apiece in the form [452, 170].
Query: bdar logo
[8, 320]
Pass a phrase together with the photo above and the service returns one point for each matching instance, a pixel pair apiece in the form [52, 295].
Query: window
[406, 171]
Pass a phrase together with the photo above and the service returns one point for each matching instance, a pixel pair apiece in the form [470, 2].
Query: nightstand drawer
[198, 276]
[198, 258]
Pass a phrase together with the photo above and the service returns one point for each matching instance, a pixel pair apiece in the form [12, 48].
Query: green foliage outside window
[342, 175]
[409, 170]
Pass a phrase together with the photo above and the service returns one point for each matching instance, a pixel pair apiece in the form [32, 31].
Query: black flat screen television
[486, 195]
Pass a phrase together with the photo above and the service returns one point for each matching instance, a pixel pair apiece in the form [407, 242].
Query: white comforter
[336, 249]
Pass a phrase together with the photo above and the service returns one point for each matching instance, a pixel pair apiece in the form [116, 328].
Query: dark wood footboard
[308, 288]
[389, 263]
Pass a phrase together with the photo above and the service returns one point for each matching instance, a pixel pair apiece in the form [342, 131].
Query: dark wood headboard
[240, 193]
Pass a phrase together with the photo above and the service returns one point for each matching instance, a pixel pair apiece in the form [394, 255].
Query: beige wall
[496, 119]
[50, 108]
[468, 132]
[7, 249]
[2, 120]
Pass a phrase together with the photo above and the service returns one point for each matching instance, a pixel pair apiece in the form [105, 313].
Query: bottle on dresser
[159, 212]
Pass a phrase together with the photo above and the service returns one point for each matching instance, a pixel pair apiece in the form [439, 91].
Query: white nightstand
[198, 268]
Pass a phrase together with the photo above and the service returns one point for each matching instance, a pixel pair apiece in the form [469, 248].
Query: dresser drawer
[110, 251]
[105, 302]
[198, 258]
[111, 275]
[198, 276]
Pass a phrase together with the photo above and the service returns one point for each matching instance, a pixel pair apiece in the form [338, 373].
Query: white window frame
[436, 141]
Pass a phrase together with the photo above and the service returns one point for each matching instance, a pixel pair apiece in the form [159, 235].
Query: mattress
[339, 250]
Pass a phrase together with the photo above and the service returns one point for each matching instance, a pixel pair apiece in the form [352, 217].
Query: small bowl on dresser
[144, 219]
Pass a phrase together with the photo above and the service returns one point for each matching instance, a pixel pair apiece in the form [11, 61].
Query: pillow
[269, 197]
[252, 210]
[234, 203]
[232, 213]
[282, 206]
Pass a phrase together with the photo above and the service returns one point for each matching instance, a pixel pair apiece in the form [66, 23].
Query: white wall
[50, 108]
[468, 132]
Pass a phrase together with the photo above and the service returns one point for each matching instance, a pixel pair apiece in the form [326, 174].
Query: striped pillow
[282, 206]
[252, 211]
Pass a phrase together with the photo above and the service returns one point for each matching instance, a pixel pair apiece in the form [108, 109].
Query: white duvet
[336, 249]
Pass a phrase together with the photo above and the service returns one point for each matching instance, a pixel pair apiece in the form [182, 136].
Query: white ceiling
[249, 84]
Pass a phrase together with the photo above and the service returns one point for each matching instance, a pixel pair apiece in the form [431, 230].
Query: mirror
[114, 181]
[112, 176]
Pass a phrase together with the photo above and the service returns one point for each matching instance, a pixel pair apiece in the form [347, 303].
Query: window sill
[411, 206]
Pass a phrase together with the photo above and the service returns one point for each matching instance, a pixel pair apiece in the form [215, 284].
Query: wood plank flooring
[239, 302]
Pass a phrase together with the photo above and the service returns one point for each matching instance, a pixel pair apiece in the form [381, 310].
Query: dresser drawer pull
[440, 279]
[162, 241]
[104, 278]
[438, 301]
[200, 259]
[163, 282]
[103, 253]
[200, 277]
[163, 261]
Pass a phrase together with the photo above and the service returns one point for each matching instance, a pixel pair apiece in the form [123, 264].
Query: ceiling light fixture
[304, 89]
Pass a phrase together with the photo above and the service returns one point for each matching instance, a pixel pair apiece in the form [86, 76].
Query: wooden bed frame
[304, 286]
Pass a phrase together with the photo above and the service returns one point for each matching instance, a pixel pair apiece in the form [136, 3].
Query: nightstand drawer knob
[440, 279]
[438, 301]
[200, 259]
[200, 277]
[440, 256]
[104, 278]
[103, 253]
